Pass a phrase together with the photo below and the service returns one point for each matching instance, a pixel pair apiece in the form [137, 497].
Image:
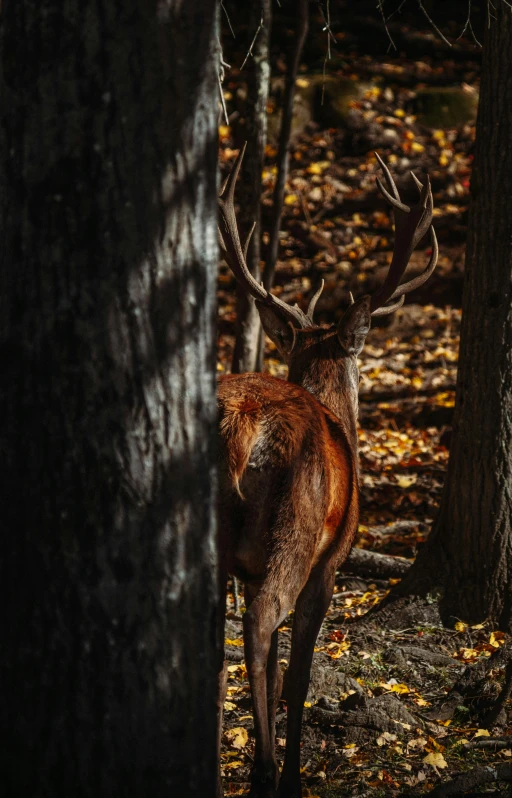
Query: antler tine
[411, 224]
[383, 311]
[229, 240]
[411, 285]
[394, 195]
[312, 302]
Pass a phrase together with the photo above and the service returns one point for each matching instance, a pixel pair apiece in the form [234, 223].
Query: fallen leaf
[237, 737]
[437, 760]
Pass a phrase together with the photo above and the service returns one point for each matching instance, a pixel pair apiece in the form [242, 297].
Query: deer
[288, 505]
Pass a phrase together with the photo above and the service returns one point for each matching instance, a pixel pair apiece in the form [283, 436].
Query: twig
[228, 19]
[484, 742]
[305, 208]
[380, 6]
[249, 52]
[284, 142]
[236, 596]
[469, 25]
[431, 21]
[330, 35]
[220, 79]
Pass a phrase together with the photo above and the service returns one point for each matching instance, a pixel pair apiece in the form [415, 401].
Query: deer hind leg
[310, 610]
[274, 687]
[267, 608]
[274, 678]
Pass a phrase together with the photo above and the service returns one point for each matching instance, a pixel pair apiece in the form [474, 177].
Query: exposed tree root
[473, 778]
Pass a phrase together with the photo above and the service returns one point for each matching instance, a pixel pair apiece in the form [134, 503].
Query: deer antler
[229, 240]
[411, 224]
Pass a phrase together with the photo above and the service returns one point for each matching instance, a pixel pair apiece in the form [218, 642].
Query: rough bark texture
[469, 553]
[248, 349]
[108, 263]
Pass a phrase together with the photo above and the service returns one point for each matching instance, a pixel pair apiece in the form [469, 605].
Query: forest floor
[391, 711]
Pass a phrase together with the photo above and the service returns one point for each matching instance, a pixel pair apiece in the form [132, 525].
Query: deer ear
[354, 325]
[280, 332]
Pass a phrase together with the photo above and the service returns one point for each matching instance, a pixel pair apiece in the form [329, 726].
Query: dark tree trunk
[108, 263]
[246, 355]
[469, 553]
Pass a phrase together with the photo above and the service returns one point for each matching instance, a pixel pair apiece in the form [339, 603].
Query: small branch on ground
[381, 566]
[494, 744]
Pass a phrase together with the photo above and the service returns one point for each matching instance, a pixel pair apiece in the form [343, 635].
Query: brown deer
[289, 493]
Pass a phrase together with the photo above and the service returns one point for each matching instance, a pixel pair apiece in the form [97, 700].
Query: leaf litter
[389, 711]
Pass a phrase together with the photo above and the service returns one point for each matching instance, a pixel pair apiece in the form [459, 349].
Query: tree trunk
[108, 269]
[469, 553]
[246, 355]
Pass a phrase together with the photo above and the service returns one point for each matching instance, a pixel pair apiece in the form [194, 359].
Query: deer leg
[265, 612]
[274, 675]
[274, 687]
[310, 610]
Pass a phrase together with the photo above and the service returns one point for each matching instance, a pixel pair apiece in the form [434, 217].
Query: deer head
[324, 358]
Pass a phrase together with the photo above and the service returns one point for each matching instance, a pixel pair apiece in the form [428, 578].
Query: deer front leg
[310, 610]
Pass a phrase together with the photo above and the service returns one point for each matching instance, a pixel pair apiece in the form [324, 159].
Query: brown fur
[288, 513]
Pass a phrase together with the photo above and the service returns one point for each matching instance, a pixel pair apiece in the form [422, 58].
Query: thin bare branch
[380, 6]
[433, 24]
[249, 52]
[228, 19]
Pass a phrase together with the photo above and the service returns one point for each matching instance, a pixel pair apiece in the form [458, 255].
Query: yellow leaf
[237, 642]
[497, 639]
[460, 626]
[400, 688]
[400, 113]
[236, 763]
[229, 706]
[417, 147]
[437, 760]
[290, 199]
[302, 83]
[238, 737]
[407, 480]
[482, 733]
[318, 167]
[307, 703]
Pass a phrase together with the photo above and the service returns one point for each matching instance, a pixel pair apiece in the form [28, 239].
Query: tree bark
[469, 552]
[108, 159]
[248, 338]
